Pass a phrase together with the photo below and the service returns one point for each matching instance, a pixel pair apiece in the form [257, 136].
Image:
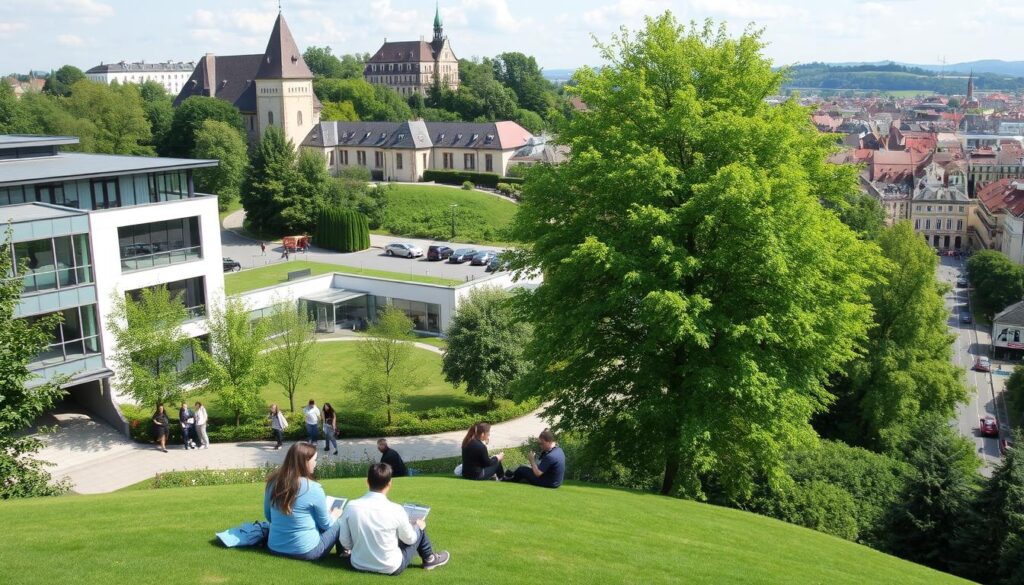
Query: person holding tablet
[475, 461]
[380, 533]
[301, 525]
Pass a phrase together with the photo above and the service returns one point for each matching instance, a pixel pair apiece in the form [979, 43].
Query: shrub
[343, 230]
[467, 185]
[459, 177]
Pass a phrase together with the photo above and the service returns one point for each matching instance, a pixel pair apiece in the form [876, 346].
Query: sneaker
[335, 452]
[436, 560]
[326, 449]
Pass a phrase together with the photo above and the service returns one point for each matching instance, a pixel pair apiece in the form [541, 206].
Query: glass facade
[168, 187]
[424, 316]
[53, 263]
[75, 337]
[191, 292]
[105, 192]
[159, 243]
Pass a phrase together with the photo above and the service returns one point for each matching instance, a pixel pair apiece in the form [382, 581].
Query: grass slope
[246, 280]
[424, 211]
[497, 534]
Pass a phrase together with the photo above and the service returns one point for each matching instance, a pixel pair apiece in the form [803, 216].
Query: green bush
[513, 180]
[467, 186]
[342, 230]
[510, 190]
[460, 177]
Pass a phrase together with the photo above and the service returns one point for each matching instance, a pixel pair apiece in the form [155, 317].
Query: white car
[404, 250]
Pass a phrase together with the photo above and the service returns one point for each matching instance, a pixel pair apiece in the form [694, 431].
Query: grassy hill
[424, 211]
[497, 534]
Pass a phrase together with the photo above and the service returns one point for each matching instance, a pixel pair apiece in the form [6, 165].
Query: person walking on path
[330, 428]
[263, 248]
[278, 423]
[187, 420]
[201, 419]
[312, 422]
[161, 426]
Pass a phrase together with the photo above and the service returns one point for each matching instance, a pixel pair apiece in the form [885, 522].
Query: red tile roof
[1003, 194]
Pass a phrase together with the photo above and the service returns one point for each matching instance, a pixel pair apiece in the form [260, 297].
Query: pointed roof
[437, 15]
[282, 59]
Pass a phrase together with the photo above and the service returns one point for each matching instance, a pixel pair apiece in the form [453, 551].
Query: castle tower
[970, 88]
[284, 87]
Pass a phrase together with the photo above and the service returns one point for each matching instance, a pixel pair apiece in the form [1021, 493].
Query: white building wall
[1013, 238]
[112, 283]
[171, 80]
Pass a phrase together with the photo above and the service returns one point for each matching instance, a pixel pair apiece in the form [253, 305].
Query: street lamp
[453, 206]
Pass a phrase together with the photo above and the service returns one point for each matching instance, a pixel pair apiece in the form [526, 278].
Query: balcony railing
[166, 258]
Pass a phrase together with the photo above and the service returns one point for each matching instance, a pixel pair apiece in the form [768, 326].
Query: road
[984, 389]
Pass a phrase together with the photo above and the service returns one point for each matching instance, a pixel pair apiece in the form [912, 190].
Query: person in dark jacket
[187, 420]
[161, 426]
[392, 458]
[548, 471]
[475, 461]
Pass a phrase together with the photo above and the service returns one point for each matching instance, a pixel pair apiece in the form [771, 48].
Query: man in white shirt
[312, 422]
[379, 533]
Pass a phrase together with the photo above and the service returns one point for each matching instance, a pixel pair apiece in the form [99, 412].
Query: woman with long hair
[476, 464]
[277, 424]
[330, 428]
[301, 526]
[161, 426]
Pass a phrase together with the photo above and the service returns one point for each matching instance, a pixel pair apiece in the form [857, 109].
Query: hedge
[343, 230]
[353, 425]
[460, 177]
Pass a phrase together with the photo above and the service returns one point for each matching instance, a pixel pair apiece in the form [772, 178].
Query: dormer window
[367, 136]
[473, 139]
[458, 137]
[489, 138]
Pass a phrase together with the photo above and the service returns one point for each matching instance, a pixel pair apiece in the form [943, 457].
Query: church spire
[282, 59]
[970, 87]
[438, 25]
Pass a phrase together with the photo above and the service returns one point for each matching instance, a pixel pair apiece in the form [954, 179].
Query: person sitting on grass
[475, 462]
[379, 534]
[296, 507]
[549, 471]
[392, 458]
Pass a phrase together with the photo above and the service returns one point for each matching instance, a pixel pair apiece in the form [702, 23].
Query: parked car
[404, 250]
[439, 252]
[988, 427]
[231, 265]
[462, 255]
[982, 364]
[483, 258]
[498, 263]
[1004, 445]
[965, 317]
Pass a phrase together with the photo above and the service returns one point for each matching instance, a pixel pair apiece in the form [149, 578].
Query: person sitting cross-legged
[549, 471]
[301, 527]
[379, 534]
[392, 458]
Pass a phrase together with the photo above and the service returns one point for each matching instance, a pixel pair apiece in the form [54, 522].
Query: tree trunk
[389, 410]
[291, 400]
[671, 466]
[238, 417]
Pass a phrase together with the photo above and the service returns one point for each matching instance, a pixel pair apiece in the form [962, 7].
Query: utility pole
[453, 206]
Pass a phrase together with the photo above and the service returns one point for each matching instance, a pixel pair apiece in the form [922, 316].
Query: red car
[982, 364]
[989, 428]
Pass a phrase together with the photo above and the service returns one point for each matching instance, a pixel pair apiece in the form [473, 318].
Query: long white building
[169, 74]
[90, 228]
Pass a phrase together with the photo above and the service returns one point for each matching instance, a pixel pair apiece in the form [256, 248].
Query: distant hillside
[497, 533]
[997, 66]
[894, 77]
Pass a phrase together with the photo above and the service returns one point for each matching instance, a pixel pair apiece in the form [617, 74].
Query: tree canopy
[217, 140]
[696, 293]
[188, 119]
[61, 81]
[997, 281]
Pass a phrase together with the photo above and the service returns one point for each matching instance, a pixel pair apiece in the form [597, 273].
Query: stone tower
[284, 87]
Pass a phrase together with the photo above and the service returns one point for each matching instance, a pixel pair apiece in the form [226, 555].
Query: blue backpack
[248, 534]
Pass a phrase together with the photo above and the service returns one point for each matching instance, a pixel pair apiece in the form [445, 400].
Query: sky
[45, 34]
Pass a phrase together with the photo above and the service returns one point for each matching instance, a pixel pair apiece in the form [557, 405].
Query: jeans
[328, 538]
[312, 433]
[422, 546]
[329, 438]
[278, 435]
[490, 471]
[186, 434]
[201, 433]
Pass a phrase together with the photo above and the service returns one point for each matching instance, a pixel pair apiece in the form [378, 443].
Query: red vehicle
[982, 364]
[296, 243]
[988, 427]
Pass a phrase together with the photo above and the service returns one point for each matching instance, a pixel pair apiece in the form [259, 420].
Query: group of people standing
[193, 426]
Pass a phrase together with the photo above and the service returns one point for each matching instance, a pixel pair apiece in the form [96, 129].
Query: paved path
[74, 450]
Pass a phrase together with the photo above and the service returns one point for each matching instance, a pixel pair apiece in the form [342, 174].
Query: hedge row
[352, 425]
[343, 230]
[460, 177]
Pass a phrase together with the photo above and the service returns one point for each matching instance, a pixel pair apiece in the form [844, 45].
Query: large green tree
[159, 110]
[1015, 393]
[522, 75]
[116, 112]
[283, 192]
[323, 63]
[485, 345]
[220, 141]
[906, 370]
[696, 293]
[9, 111]
[386, 370]
[22, 400]
[235, 368]
[997, 281]
[61, 81]
[371, 102]
[188, 119]
[148, 344]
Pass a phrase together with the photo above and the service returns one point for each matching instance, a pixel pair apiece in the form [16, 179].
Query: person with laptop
[380, 534]
[302, 525]
[549, 471]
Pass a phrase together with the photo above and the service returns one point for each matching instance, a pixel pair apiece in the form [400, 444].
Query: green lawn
[424, 211]
[337, 362]
[246, 280]
[497, 533]
[232, 207]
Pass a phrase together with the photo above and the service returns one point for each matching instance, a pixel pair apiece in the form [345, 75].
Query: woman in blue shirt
[296, 507]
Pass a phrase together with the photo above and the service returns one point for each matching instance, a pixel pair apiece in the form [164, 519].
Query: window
[168, 187]
[270, 118]
[252, 122]
[489, 163]
[298, 118]
[959, 225]
[76, 336]
[191, 292]
[330, 158]
[927, 224]
[54, 193]
[961, 209]
[361, 157]
[917, 224]
[424, 161]
[469, 161]
[378, 159]
[160, 243]
[447, 160]
[949, 224]
[344, 157]
[398, 160]
[929, 208]
[105, 193]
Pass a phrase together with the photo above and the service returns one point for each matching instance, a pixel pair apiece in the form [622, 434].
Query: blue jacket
[299, 532]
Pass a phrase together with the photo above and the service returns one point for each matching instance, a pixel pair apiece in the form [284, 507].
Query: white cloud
[69, 40]
[8, 29]
[89, 9]
[623, 12]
